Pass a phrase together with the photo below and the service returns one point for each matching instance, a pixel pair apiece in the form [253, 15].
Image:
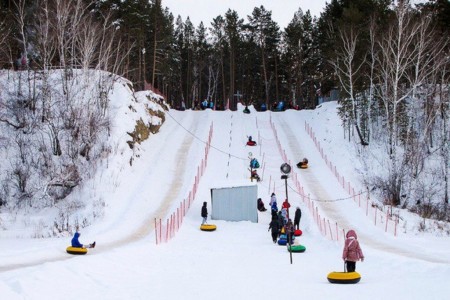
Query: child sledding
[303, 164]
[77, 247]
[260, 205]
[254, 175]
[251, 142]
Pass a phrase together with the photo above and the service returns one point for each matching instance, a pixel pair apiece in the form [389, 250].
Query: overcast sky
[282, 10]
[205, 10]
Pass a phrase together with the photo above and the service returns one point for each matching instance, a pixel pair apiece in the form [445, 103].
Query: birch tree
[347, 68]
[408, 60]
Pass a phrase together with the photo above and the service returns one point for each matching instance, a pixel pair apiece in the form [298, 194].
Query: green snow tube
[296, 248]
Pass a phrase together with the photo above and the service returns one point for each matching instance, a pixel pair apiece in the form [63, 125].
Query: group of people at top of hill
[280, 220]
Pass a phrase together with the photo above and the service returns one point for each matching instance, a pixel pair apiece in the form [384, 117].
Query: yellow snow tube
[208, 227]
[76, 250]
[344, 277]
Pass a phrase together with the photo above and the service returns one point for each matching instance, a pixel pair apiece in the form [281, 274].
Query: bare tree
[46, 51]
[409, 61]
[347, 68]
[4, 36]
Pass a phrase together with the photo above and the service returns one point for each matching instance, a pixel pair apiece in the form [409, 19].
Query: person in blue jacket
[76, 243]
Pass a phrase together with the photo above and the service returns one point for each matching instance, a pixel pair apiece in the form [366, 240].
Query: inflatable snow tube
[344, 277]
[282, 242]
[251, 143]
[302, 165]
[76, 250]
[296, 248]
[298, 232]
[208, 227]
[284, 236]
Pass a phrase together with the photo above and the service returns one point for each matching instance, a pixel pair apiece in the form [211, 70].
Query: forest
[388, 60]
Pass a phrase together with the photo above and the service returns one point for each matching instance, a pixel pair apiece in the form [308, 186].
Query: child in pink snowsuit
[352, 251]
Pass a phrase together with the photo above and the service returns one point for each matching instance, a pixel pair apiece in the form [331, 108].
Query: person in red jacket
[286, 205]
[352, 251]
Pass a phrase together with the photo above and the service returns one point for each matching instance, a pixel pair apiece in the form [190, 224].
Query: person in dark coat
[261, 205]
[297, 217]
[204, 213]
[289, 229]
[280, 219]
[76, 243]
[275, 226]
[274, 214]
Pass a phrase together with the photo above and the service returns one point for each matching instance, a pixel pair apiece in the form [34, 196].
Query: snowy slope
[239, 260]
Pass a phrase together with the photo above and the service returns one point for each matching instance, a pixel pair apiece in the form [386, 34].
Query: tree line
[389, 60]
[231, 59]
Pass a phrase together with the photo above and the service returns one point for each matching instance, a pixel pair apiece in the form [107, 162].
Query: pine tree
[266, 35]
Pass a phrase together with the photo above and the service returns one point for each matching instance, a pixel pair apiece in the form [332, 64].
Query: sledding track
[178, 168]
[299, 146]
[173, 193]
[331, 209]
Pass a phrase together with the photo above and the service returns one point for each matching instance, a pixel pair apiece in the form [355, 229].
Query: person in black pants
[204, 213]
[275, 226]
[297, 217]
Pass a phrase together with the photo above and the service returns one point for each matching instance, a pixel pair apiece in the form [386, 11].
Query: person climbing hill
[275, 226]
[297, 217]
[273, 199]
[286, 205]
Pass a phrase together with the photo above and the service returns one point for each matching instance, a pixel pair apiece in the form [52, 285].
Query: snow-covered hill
[239, 260]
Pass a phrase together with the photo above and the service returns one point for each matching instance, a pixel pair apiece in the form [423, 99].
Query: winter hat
[273, 194]
[351, 234]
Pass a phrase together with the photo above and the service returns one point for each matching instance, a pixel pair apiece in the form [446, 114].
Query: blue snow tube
[282, 242]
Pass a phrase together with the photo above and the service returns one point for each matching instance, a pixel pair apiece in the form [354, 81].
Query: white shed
[234, 203]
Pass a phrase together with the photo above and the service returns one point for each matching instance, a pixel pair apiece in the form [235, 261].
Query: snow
[239, 259]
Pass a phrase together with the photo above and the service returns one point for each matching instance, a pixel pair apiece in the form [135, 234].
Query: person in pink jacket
[352, 251]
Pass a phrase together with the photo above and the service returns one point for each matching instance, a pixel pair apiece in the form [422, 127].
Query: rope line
[329, 200]
[213, 147]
